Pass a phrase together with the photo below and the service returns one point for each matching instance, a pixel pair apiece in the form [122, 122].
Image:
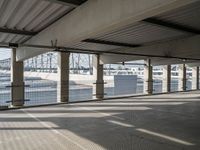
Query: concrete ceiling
[102, 25]
[144, 32]
[22, 19]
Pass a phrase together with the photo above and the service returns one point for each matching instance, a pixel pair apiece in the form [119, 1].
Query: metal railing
[81, 90]
[40, 92]
[5, 89]
[5, 95]
[111, 89]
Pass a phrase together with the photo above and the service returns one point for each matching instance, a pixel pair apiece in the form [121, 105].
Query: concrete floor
[167, 122]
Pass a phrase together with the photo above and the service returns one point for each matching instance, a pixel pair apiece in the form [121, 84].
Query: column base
[17, 94]
[99, 89]
[16, 106]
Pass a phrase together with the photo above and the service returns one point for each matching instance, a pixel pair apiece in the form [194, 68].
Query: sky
[4, 53]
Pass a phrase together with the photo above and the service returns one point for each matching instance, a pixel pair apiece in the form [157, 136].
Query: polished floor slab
[167, 122]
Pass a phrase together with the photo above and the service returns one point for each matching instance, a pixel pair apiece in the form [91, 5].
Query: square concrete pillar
[195, 78]
[166, 85]
[182, 78]
[63, 77]
[98, 89]
[17, 81]
[148, 77]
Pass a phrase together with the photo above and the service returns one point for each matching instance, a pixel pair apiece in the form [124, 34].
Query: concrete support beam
[195, 78]
[98, 89]
[166, 85]
[113, 58]
[17, 81]
[63, 77]
[182, 78]
[176, 48]
[148, 77]
[196, 64]
[168, 61]
[97, 17]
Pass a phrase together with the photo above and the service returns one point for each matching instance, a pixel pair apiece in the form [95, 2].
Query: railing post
[63, 77]
[17, 81]
[195, 78]
[166, 85]
[98, 89]
[148, 77]
[182, 78]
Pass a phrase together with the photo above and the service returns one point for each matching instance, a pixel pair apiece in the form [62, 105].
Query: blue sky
[4, 53]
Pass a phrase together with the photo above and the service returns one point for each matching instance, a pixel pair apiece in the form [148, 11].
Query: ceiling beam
[179, 49]
[95, 17]
[110, 43]
[90, 51]
[171, 25]
[21, 32]
[72, 3]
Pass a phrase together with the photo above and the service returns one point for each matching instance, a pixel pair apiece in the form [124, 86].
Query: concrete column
[98, 89]
[166, 85]
[148, 77]
[182, 78]
[17, 81]
[195, 78]
[63, 77]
